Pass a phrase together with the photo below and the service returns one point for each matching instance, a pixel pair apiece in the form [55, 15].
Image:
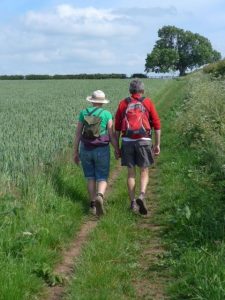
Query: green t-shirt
[105, 116]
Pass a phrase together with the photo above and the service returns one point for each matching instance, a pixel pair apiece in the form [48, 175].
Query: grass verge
[191, 200]
[35, 225]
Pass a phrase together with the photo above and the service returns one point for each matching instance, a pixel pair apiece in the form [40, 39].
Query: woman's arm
[77, 142]
[113, 139]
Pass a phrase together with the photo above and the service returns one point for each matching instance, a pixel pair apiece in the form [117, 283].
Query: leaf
[187, 212]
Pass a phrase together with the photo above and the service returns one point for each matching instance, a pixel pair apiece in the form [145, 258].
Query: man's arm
[157, 142]
[153, 114]
[117, 137]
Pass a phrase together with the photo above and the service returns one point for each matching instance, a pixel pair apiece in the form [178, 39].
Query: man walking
[135, 118]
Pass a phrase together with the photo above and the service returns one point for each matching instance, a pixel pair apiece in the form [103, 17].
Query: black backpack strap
[128, 99]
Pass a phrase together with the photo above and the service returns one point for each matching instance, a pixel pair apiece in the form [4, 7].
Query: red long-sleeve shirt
[153, 115]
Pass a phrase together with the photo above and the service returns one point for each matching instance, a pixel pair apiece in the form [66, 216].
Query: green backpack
[92, 129]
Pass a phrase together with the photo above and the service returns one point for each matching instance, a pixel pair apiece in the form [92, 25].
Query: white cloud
[189, 5]
[66, 11]
[66, 19]
[153, 12]
[68, 38]
[87, 36]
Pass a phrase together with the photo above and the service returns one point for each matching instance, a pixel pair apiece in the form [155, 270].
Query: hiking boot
[133, 206]
[92, 208]
[142, 205]
[99, 205]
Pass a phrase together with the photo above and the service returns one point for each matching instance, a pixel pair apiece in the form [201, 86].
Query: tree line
[71, 76]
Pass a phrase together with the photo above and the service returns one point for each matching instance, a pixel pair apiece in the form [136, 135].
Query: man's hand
[117, 153]
[156, 150]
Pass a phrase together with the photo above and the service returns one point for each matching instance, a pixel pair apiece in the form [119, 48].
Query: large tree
[179, 50]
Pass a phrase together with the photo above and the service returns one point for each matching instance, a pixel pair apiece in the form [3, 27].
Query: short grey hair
[136, 86]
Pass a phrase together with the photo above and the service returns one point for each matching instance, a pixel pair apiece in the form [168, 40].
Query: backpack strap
[94, 110]
[100, 112]
[129, 99]
[141, 99]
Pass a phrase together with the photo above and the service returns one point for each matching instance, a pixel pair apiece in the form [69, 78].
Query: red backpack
[135, 123]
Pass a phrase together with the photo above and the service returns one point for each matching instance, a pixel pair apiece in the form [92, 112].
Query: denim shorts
[95, 162]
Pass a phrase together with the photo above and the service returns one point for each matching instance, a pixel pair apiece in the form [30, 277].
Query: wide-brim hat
[97, 97]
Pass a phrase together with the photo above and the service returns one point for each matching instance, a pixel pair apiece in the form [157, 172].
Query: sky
[89, 36]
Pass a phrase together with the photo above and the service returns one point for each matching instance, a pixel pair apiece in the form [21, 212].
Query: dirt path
[66, 268]
[154, 276]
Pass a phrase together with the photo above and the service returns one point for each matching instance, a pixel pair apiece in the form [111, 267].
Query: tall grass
[36, 226]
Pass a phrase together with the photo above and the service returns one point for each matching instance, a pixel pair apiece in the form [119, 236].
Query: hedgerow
[202, 122]
[216, 69]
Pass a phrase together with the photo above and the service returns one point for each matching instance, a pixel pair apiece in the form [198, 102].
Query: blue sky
[90, 36]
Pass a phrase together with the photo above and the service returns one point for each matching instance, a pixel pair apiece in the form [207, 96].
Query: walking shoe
[92, 208]
[142, 205]
[133, 206]
[99, 205]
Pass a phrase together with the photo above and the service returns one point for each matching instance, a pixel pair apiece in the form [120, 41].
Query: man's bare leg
[144, 177]
[131, 183]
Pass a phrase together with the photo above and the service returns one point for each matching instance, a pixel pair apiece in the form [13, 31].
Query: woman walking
[93, 134]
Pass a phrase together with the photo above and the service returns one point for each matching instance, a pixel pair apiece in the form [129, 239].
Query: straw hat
[97, 97]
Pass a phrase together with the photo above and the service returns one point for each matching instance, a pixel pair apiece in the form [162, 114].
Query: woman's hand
[76, 158]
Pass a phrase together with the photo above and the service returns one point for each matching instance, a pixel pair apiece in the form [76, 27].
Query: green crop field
[38, 118]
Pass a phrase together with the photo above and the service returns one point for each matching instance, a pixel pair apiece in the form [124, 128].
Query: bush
[217, 69]
[220, 67]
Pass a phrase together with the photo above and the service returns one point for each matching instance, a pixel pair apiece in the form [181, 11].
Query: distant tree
[139, 75]
[179, 50]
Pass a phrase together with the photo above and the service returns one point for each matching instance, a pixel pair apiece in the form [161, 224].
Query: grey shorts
[137, 153]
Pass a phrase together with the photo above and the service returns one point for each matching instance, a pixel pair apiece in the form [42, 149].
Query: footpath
[150, 276]
[121, 255]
